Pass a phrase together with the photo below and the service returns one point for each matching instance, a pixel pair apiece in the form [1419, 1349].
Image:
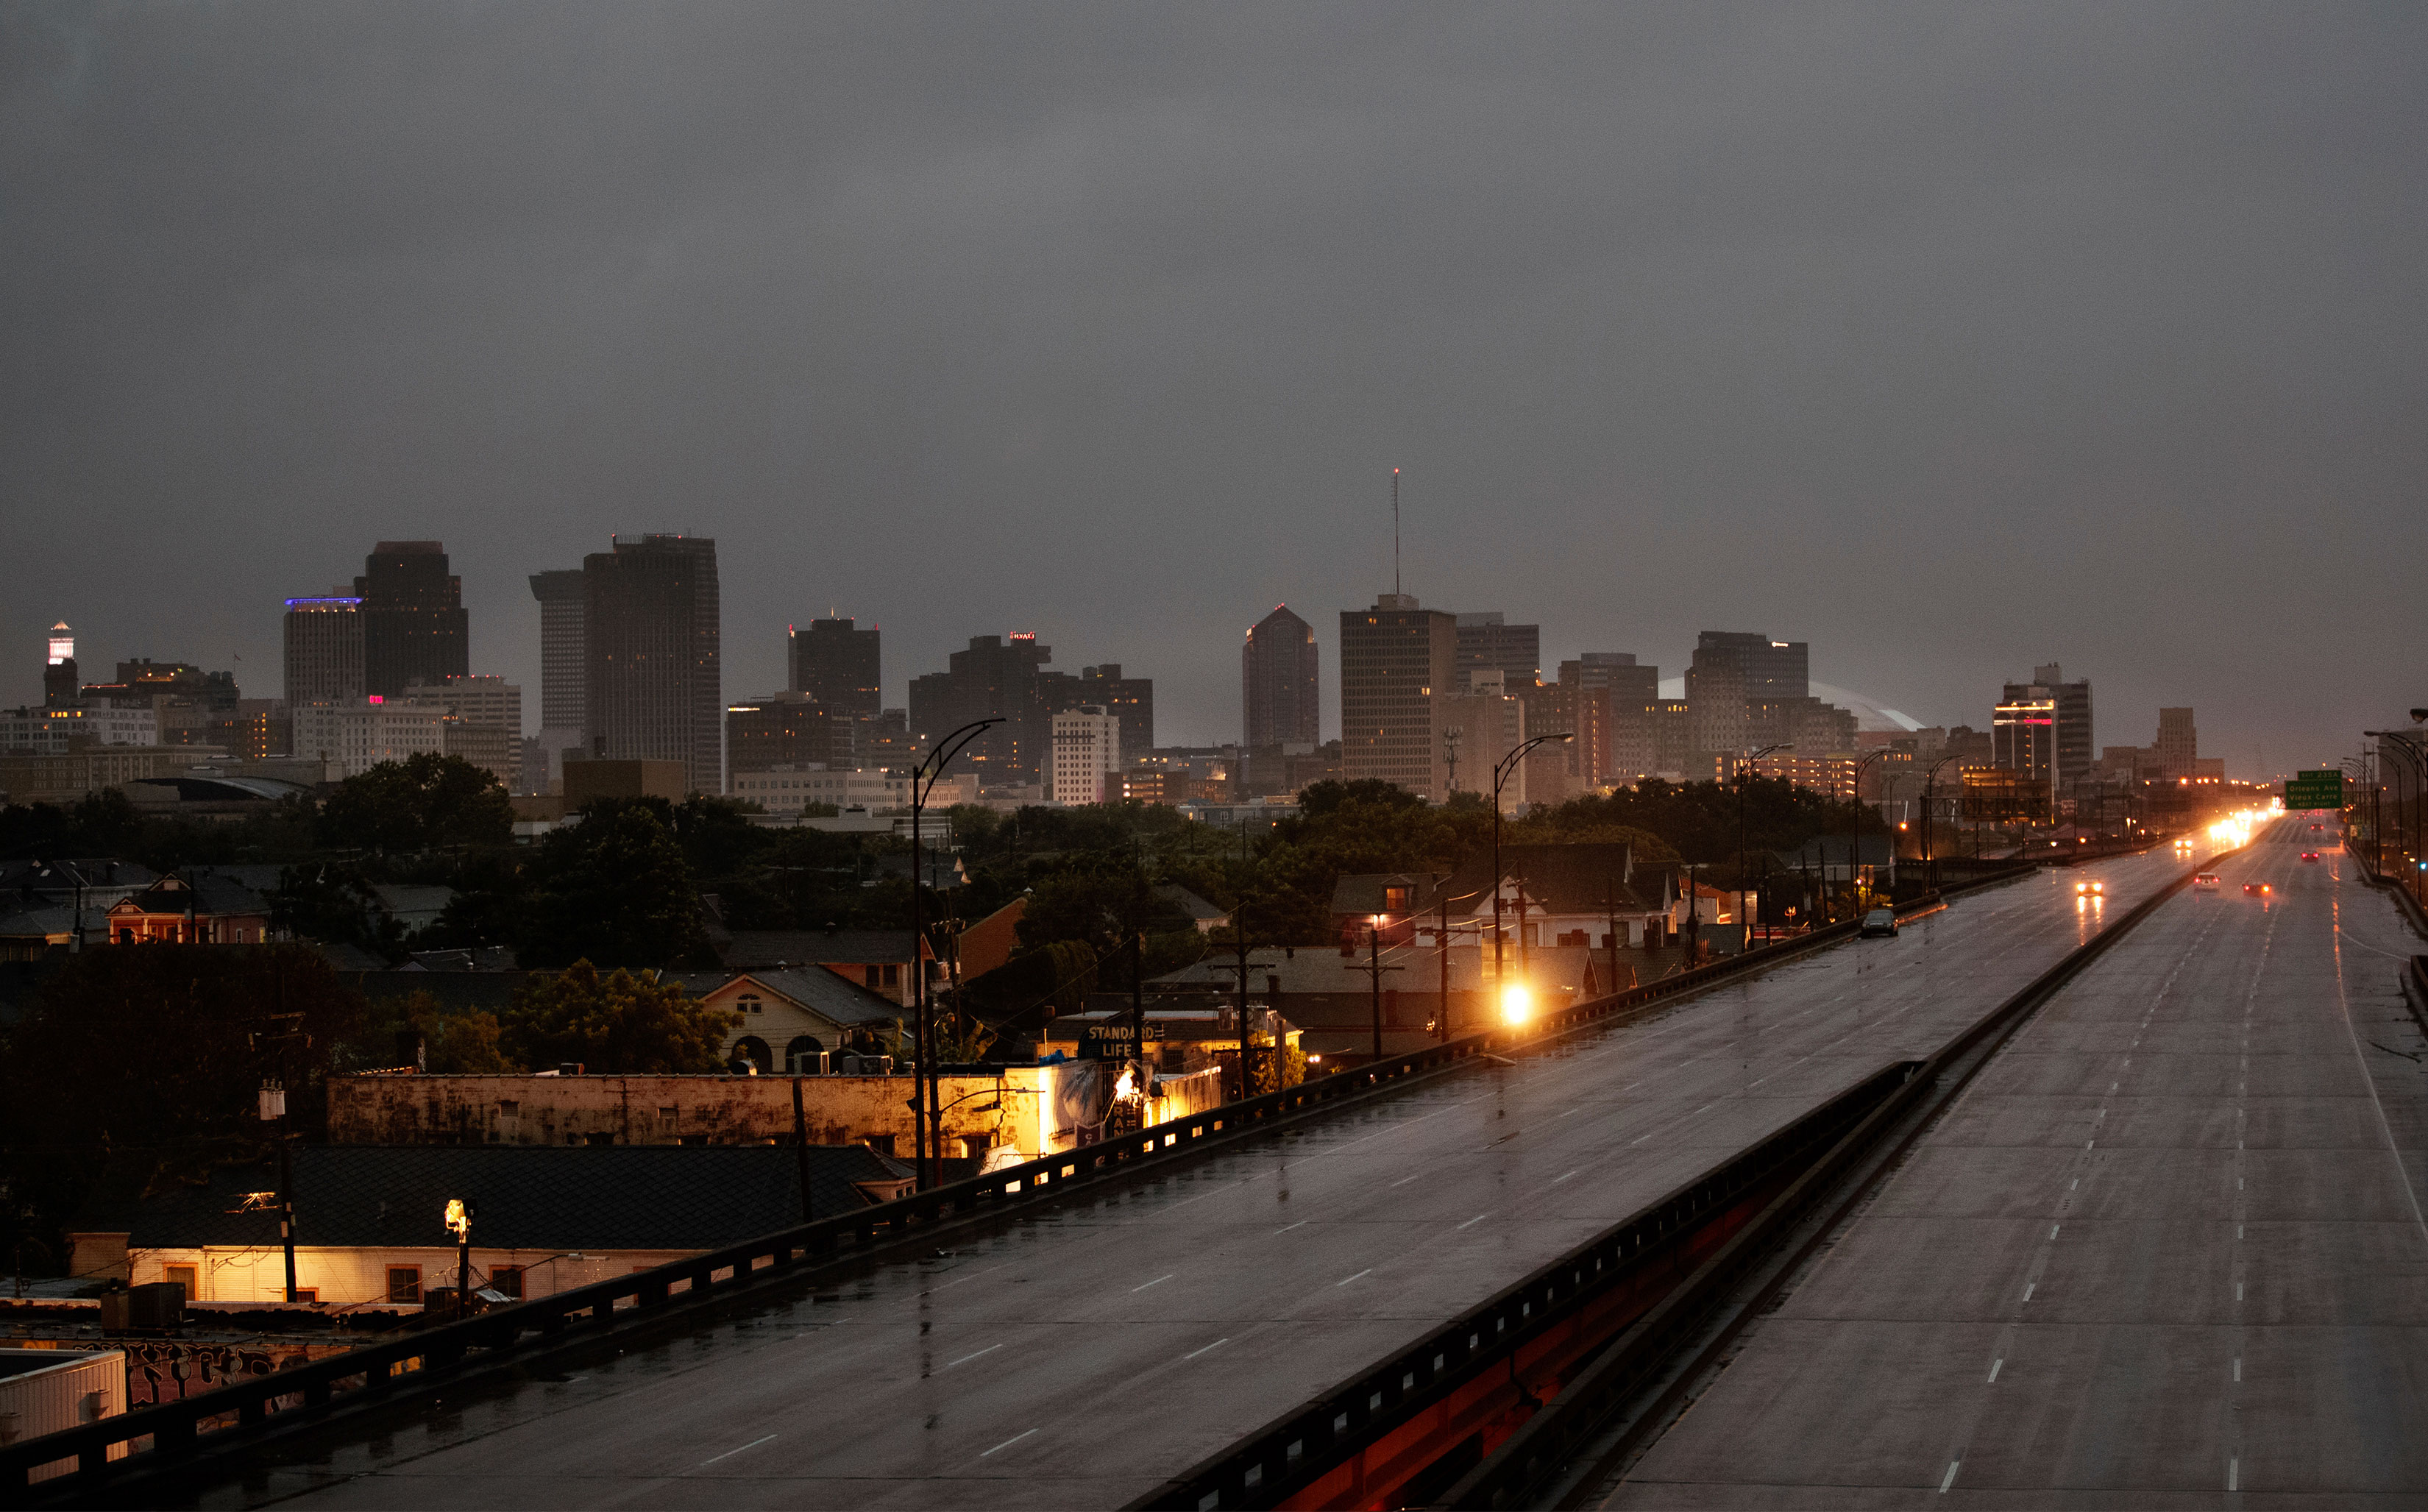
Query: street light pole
[1500, 770]
[927, 1119]
[1855, 833]
[1929, 780]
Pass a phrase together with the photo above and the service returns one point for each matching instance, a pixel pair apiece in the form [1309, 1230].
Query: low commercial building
[369, 1219]
[78, 775]
[356, 735]
[50, 1390]
[57, 731]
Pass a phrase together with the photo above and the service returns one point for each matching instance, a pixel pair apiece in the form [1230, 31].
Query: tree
[613, 889]
[621, 1024]
[419, 803]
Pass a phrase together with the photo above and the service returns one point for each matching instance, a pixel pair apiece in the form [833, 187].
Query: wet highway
[2166, 1250]
[1080, 1357]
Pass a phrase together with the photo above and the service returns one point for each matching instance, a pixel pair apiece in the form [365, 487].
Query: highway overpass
[1082, 1354]
[2166, 1250]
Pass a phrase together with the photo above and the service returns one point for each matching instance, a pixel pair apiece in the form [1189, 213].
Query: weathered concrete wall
[418, 1109]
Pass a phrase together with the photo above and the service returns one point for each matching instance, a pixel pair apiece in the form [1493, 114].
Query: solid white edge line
[730, 1453]
[1950, 1478]
[1008, 1442]
[1345, 1280]
[1135, 1291]
[966, 1359]
[1217, 1344]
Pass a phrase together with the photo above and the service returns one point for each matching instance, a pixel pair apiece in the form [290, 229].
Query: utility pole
[1610, 911]
[926, 1122]
[1239, 945]
[1441, 1019]
[1374, 969]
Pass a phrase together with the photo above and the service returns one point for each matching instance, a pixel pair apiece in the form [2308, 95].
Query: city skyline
[1830, 323]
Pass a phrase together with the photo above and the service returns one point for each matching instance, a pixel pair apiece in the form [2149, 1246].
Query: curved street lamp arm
[930, 770]
[1506, 765]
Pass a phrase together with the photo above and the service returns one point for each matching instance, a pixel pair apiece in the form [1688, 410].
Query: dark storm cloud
[1952, 339]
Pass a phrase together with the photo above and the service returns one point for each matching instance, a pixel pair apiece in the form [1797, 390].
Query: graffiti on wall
[171, 1370]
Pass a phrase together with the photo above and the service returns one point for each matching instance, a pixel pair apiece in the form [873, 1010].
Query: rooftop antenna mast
[1394, 532]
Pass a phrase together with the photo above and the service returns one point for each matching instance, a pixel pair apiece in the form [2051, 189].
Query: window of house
[872, 975]
[893, 976]
[404, 1283]
[507, 1280]
[751, 1003]
[1395, 900]
[974, 1146]
[184, 1275]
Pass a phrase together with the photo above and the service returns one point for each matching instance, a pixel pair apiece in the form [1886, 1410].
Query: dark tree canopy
[613, 889]
[621, 1023]
[423, 802]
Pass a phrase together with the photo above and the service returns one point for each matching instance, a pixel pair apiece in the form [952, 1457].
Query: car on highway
[2258, 889]
[2309, 855]
[1879, 921]
[2206, 881]
[2091, 889]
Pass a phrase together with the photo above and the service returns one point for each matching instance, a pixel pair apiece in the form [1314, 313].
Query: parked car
[2206, 881]
[1879, 921]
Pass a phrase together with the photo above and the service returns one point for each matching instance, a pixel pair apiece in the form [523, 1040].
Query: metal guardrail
[1513, 1473]
[443, 1355]
[1304, 1444]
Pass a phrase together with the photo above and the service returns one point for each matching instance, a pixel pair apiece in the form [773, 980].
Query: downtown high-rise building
[1487, 643]
[997, 678]
[2042, 729]
[59, 686]
[1278, 682]
[1771, 669]
[1394, 658]
[652, 685]
[414, 624]
[563, 594]
[1128, 700]
[325, 650]
[836, 663]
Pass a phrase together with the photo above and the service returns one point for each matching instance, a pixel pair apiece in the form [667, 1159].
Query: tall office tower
[325, 650]
[1278, 680]
[1130, 699]
[997, 678]
[653, 667]
[1716, 693]
[836, 663]
[2069, 750]
[1394, 658]
[59, 686]
[1771, 668]
[1627, 693]
[1486, 644]
[414, 624]
[1083, 762]
[2022, 737]
[2178, 744]
[1673, 744]
[562, 595]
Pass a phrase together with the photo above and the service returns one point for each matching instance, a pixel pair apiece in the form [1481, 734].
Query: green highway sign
[2315, 790]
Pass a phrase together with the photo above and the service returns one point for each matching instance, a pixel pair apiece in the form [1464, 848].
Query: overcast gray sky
[1952, 339]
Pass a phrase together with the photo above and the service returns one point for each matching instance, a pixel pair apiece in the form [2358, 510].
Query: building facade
[414, 623]
[652, 655]
[562, 599]
[789, 730]
[1279, 682]
[1394, 659]
[352, 738]
[55, 731]
[1084, 761]
[836, 663]
[1487, 643]
[996, 677]
[325, 650]
[59, 685]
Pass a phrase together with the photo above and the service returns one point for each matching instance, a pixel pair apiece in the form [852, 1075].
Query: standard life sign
[2315, 790]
